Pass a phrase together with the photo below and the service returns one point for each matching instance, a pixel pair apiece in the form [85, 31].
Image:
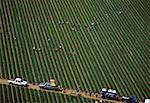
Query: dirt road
[70, 92]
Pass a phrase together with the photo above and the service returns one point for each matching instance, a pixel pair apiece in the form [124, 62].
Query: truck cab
[132, 99]
[18, 81]
[109, 94]
[51, 85]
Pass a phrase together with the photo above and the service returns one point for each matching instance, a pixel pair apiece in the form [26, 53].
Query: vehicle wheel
[26, 85]
[9, 83]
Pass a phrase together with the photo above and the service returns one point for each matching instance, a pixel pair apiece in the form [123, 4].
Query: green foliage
[111, 49]
[16, 95]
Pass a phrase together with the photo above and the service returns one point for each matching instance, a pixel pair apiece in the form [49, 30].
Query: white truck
[147, 101]
[18, 81]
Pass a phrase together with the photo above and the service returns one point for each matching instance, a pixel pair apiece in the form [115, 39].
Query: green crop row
[111, 48]
[11, 94]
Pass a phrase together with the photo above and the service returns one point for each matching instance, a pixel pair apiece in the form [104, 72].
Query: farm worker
[33, 48]
[90, 92]
[85, 92]
[60, 47]
[73, 53]
[15, 38]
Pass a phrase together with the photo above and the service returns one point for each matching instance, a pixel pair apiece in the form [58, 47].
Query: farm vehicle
[147, 101]
[51, 85]
[113, 95]
[18, 81]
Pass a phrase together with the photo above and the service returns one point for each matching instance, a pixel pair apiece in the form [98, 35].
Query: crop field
[91, 43]
[32, 96]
